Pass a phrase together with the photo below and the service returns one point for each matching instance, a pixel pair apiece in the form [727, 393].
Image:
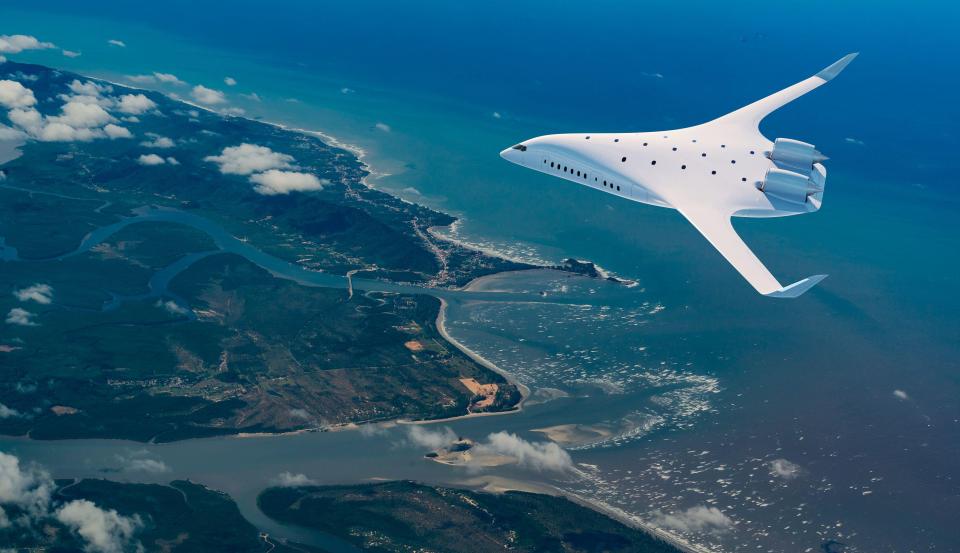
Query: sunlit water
[702, 388]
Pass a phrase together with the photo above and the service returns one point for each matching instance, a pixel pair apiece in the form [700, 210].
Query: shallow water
[704, 384]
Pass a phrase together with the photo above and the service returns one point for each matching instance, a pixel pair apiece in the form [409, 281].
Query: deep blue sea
[706, 384]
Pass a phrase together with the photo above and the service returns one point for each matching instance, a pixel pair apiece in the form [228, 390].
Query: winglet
[797, 289]
[835, 69]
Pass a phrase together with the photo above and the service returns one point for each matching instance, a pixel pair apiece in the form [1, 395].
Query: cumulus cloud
[70, 53]
[40, 293]
[347, 90]
[80, 115]
[27, 487]
[160, 142]
[229, 81]
[150, 159]
[275, 182]
[422, 436]
[21, 317]
[116, 131]
[139, 461]
[901, 395]
[535, 455]
[15, 95]
[104, 531]
[246, 159]
[253, 96]
[497, 115]
[9, 413]
[30, 488]
[784, 469]
[156, 77]
[14, 44]
[171, 306]
[431, 439]
[383, 127]
[290, 480]
[207, 96]
[118, 43]
[89, 88]
[135, 104]
[695, 519]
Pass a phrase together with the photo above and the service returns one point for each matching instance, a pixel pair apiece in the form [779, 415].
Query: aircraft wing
[717, 228]
[752, 114]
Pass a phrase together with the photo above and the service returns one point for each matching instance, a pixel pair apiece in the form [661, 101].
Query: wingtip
[831, 72]
[798, 288]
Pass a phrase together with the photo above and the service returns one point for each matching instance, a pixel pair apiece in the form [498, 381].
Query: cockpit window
[520, 147]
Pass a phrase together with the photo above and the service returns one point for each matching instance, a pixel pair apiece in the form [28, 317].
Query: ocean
[831, 418]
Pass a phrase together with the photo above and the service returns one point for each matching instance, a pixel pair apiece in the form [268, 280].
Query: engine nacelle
[795, 154]
[789, 186]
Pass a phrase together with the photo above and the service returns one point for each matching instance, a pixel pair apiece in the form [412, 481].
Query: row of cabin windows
[565, 169]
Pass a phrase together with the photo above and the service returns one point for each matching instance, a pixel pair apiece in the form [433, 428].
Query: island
[408, 516]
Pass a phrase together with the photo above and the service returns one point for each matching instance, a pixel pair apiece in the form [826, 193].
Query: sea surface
[826, 423]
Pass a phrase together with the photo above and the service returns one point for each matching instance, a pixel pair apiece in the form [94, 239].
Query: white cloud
[150, 159]
[901, 395]
[88, 88]
[60, 132]
[850, 140]
[207, 96]
[431, 439]
[172, 161]
[3, 59]
[80, 115]
[135, 104]
[300, 414]
[115, 42]
[139, 461]
[27, 487]
[535, 455]
[784, 469]
[695, 519]
[171, 306]
[9, 413]
[116, 131]
[275, 182]
[249, 158]
[497, 115]
[28, 119]
[14, 95]
[40, 293]
[290, 480]
[230, 81]
[14, 44]
[383, 127]
[253, 96]
[155, 77]
[71, 53]
[347, 90]
[105, 531]
[168, 78]
[159, 142]
[21, 317]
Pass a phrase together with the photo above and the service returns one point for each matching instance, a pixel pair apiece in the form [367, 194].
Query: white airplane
[709, 173]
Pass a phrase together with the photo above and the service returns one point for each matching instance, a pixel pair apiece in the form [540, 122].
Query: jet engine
[793, 153]
[798, 176]
[790, 186]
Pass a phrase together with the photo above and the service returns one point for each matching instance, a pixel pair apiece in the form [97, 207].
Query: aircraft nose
[514, 154]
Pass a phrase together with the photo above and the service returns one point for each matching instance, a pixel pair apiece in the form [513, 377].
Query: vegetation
[406, 516]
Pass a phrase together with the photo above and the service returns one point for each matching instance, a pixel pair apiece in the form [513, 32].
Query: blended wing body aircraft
[709, 173]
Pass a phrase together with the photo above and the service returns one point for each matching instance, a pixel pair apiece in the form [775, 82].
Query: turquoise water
[705, 382]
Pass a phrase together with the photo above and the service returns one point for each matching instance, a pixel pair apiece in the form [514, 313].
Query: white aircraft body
[709, 173]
